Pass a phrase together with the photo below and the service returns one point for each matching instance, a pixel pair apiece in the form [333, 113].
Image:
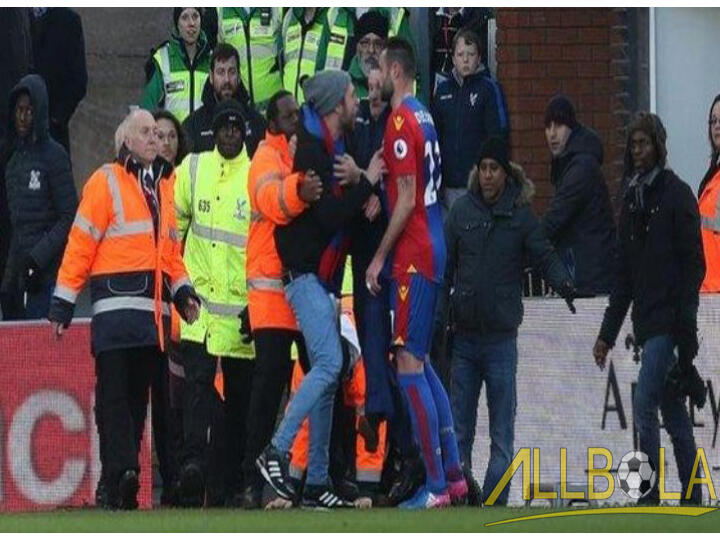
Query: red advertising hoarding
[49, 439]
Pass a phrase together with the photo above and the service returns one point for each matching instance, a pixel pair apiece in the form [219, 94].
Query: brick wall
[581, 52]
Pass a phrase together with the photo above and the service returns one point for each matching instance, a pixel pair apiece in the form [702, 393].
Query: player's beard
[387, 91]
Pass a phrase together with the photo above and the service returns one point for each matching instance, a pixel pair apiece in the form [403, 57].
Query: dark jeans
[372, 316]
[658, 358]
[475, 361]
[212, 440]
[123, 380]
[273, 367]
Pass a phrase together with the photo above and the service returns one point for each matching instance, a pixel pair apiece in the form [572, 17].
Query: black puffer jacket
[660, 262]
[199, 129]
[40, 189]
[486, 250]
[579, 219]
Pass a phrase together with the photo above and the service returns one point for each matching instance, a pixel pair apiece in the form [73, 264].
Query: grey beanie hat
[326, 89]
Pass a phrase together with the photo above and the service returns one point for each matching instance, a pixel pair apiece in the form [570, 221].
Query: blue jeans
[658, 358]
[475, 361]
[318, 320]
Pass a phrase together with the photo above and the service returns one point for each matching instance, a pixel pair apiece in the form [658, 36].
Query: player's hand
[292, 146]
[310, 187]
[192, 310]
[600, 352]
[376, 168]
[372, 275]
[346, 170]
[58, 330]
[372, 207]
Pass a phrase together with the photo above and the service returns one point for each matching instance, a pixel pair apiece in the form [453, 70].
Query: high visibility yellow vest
[396, 19]
[213, 212]
[338, 38]
[303, 50]
[183, 93]
[259, 64]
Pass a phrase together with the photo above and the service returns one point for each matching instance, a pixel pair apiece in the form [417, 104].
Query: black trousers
[273, 368]
[123, 380]
[215, 432]
[165, 424]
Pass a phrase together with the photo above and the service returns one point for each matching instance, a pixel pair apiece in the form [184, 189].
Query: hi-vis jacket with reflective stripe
[176, 83]
[134, 270]
[710, 227]
[312, 47]
[213, 216]
[255, 34]
[274, 200]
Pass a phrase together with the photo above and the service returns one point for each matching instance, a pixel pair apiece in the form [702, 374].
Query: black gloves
[181, 298]
[686, 381]
[568, 292]
[61, 311]
[245, 328]
[29, 274]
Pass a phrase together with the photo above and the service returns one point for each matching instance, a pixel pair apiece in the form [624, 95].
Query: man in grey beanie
[312, 248]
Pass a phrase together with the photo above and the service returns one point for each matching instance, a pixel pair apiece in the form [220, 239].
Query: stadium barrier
[565, 401]
[49, 448]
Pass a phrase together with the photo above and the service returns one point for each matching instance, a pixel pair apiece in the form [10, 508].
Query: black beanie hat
[561, 111]
[178, 11]
[372, 22]
[495, 148]
[228, 111]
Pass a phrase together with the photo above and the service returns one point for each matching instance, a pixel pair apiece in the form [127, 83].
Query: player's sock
[425, 425]
[400, 424]
[448, 441]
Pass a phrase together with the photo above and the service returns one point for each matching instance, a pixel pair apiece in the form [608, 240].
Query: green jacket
[213, 215]
[175, 83]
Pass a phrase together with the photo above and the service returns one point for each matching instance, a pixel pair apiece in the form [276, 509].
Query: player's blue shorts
[412, 300]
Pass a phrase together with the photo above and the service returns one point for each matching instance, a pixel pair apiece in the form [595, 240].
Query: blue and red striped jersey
[411, 148]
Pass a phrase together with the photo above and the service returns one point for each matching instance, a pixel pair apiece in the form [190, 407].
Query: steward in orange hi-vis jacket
[124, 240]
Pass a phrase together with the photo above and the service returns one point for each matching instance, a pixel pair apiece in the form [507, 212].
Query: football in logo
[400, 148]
[636, 474]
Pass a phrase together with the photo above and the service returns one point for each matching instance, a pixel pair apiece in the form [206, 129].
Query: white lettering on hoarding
[34, 408]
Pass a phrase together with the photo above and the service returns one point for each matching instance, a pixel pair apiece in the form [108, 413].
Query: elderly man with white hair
[124, 242]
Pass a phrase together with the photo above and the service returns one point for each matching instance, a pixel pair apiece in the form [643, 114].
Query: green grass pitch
[347, 521]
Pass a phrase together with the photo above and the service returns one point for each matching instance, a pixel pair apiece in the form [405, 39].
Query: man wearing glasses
[371, 32]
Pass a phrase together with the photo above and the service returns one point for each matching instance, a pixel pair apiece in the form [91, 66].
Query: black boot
[191, 488]
[128, 487]
[410, 478]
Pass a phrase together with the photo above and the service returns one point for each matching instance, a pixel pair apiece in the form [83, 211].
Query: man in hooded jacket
[579, 219]
[41, 200]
